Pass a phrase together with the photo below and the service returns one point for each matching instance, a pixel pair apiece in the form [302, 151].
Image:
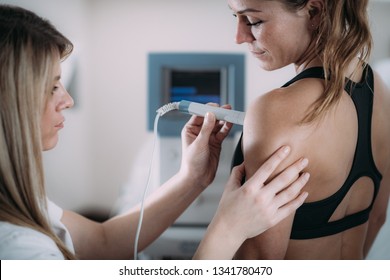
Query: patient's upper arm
[269, 124]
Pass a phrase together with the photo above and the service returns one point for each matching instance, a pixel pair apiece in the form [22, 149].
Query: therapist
[32, 100]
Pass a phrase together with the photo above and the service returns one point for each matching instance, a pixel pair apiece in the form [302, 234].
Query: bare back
[329, 144]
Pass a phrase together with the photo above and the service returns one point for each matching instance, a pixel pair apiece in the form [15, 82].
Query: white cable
[141, 215]
[160, 112]
[186, 107]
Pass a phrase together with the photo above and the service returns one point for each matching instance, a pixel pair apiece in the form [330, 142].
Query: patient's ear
[315, 9]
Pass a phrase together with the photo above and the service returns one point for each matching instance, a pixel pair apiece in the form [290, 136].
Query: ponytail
[343, 35]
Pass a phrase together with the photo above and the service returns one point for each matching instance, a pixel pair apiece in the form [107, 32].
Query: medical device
[192, 108]
[179, 85]
[196, 77]
[199, 109]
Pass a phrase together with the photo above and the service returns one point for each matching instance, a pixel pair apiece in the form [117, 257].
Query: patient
[33, 100]
[336, 111]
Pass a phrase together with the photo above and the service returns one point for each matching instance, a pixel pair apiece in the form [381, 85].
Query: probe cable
[141, 215]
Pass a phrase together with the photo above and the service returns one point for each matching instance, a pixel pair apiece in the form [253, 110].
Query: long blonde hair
[342, 35]
[28, 47]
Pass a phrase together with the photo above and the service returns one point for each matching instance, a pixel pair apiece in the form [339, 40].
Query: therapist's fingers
[288, 208]
[270, 165]
[207, 128]
[237, 173]
[223, 131]
[287, 176]
[222, 128]
[287, 194]
[284, 197]
[195, 121]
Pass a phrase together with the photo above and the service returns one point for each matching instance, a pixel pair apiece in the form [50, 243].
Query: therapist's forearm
[218, 243]
[161, 209]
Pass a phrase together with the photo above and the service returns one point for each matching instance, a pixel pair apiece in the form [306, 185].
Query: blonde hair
[28, 47]
[342, 35]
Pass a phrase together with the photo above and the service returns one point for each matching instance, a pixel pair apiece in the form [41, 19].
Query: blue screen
[195, 86]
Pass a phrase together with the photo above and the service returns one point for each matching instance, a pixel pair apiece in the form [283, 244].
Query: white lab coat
[22, 243]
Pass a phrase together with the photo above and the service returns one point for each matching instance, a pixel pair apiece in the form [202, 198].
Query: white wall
[105, 130]
[379, 12]
[67, 166]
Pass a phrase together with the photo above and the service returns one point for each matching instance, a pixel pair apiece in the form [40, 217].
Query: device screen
[196, 86]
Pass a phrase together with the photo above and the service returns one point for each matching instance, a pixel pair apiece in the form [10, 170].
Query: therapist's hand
[257, 206]
[201, 147]
[249, 210]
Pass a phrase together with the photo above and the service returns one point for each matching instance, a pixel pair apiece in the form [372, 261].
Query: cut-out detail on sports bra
[312, 219]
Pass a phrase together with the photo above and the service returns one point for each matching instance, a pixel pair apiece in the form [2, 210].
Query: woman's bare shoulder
[283, 108]
[275, 119]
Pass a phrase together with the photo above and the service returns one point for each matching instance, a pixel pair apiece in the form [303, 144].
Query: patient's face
[275, 35]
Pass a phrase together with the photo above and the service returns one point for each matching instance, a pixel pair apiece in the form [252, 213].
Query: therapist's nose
[69, 100]
[66, 100]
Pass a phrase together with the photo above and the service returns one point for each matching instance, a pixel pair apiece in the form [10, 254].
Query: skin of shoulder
[272, 120]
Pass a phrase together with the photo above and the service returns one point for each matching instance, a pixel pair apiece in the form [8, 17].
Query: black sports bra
[312, 219]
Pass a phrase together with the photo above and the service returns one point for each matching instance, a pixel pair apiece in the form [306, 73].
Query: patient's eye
[249, 21]
[257, 23]
[253, 21]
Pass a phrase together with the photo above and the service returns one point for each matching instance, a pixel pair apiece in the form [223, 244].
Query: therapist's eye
[55, 88]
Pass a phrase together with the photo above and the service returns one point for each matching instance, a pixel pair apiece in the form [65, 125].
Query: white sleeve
[21, 243]
[55, 216]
